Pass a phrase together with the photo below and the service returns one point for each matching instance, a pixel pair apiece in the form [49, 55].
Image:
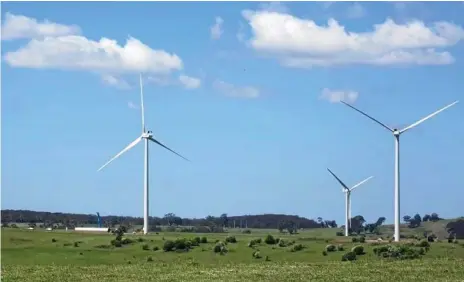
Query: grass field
[33, 255]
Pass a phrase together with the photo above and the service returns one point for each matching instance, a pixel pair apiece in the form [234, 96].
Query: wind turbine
[396, 133]
[347, 192]
[146, 136]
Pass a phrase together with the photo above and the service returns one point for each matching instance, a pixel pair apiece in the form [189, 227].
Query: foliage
[330, 248]
[231, 239]
[270, 240]
[358, 250]
[350, 256]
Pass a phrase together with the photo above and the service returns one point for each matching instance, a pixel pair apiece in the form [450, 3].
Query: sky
[249, 91]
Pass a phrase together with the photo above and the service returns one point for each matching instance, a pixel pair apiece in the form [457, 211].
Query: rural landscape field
[177, 253]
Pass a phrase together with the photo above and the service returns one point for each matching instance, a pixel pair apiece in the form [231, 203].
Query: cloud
[217, 30]
[19, 27]
[189, 82]
[235, 91]
[356, 11]
[335, 96]
[274, 7]
[115, 82]
[132, 105]
[76, 52]
[240, 33]
[302, 43]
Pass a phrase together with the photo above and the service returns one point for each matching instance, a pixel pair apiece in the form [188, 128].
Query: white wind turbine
[347, 192]
[146, 136]
[396, 134]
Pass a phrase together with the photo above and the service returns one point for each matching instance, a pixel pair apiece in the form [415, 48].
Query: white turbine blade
[360, 183]
[122, 152]
[165, 147]
[338, 179]
[427, 117]
[361, 112]
[141, 104]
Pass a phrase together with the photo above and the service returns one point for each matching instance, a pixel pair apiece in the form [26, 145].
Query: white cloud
[115, 81]
[189, 82]
[18, 27]
[217, 30]
[300, 42]
[75, 52]
[132, 105]
[235, 91]
[335, 96]
[356, 11]
[274, 7]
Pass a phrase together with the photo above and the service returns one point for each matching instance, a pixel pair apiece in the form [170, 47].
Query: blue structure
[99, 220]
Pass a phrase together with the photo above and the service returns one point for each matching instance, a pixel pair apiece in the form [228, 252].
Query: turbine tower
[347, 192]
[146, 136]
[396, 134]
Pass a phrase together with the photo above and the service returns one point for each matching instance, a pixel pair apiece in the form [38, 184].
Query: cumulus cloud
[274, 7]
[335, 96]
[189, 82]
[19, 27]
[300, 42]
[231, 90]
[217, 30]
[115, 81]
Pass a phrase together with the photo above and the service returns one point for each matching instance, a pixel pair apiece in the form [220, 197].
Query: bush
[145, 247]
[127, 241]
[246, 231]
[269, 240]
[180, 244]
[282, 243]
[354, 240]
[340, 248]
[339, 233]
[204, 240]
[399, 252]
[76, 244]
[53, 240]
[140, 240]
[350, 256]
[297, 247]
[156, 248]
[423, 244]
[220, 247]
[267, 258]
[258, 240]
[196, 241]
[168, 246]
[149, 259]
[324, 253]
[256, 255]
[330, 248]
[103, 246]
[358, 250]
[362, 239]
[231, 239]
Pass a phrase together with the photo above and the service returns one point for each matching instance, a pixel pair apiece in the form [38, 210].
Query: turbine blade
[122, 152]
[141, 104]
[165, 147]
[363, 113]
[360, 183]
[338, 179]
[427, 117]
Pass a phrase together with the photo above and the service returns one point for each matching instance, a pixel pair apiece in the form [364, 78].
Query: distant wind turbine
[146, 136]
[396, 134]
[347, 192]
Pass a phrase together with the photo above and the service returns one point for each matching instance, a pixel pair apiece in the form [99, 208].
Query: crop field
[33, 255]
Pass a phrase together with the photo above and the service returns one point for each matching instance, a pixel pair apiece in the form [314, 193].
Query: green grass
[30, 255]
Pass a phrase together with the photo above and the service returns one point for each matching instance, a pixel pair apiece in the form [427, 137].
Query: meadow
[37, 255]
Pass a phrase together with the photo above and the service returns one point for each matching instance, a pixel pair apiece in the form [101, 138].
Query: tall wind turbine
[396, 134]
[347, 192]
[146, 136]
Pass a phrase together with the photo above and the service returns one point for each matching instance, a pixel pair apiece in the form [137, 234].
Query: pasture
[36, 255]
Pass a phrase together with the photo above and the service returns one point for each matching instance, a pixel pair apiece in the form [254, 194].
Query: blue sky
[250, 97]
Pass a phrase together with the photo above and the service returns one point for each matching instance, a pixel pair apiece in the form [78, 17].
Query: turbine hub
[147, 134]
[396, 132]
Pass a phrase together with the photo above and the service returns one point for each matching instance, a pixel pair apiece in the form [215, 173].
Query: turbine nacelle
[147, 135]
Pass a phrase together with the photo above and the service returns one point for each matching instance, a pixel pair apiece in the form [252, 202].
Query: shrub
[258, 240]
[76, 244]
[267, 258]
[117, 243]
[256, 255]
[339, 233]
[180, 244]
[196, 241]
[358, 250]
[324, 253]
[140, 240]
[149, 259]
[282, 243]
[231, 239]
[145, 247]
[330, 248]
[399, 252]
[423, 244]
[220, 247]
[246, 231]
[350, 256]
[103, 246]
[297, 247]
[156, 248]
[362, 239]
[269, 240]
[354, 240]
[204, 240]
[340, 248]
[127, 241]
[53, 240]
[168, 246]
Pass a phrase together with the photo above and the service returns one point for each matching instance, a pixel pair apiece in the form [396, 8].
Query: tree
[380, 221]
[406, 218]
[434, 217]
[170, 218]
[417, 218]
[426, 217]
[224, 219]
